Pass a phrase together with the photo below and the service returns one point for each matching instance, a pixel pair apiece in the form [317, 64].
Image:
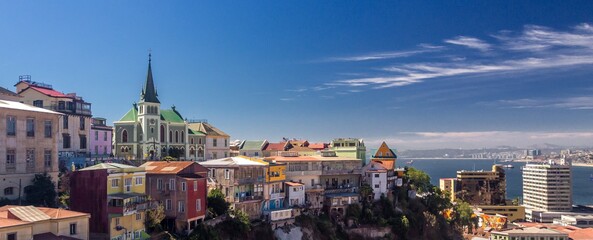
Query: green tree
[42, 192]
[354, 211]
[465, 216]
[155, 216]
[419, 180]
[366, 193]
[217, 205]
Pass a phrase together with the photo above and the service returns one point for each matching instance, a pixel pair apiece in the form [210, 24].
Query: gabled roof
[208, 129]
[171, 115]
[195, 132]
[48, 92]
[253, 145]
[276, 146]
[299, 143]
[113, 166]
[131, 116]
[384, 152]
[11, 215]
[233, 162]
[301, 149]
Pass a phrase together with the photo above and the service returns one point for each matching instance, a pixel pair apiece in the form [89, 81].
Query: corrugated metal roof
[29, 214]
[24, 107]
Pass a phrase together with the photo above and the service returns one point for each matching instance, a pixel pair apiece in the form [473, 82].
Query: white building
[375, 175]
[547, 188]
[217, 142]
[295, 194]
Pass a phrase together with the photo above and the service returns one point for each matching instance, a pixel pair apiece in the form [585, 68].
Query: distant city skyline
[416, 75]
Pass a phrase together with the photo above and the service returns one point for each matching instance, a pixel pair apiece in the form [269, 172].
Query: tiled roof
[49, 92]
[131, 116]
[171, 167]
[581, 234]
[171, 116]
[21, 106]
[390, 165]
[275, 146]
[208, 129]
[51, 236]
[384, 152]
[232, 162]
[253, 145]
[317, 146]
[531, 230]
[311, 159]
[59, 213]
[23, 215]
[301, 149]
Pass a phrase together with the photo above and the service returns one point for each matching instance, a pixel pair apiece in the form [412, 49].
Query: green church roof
[195, 132]
[171, 116]
[131, 116]
[252, 145]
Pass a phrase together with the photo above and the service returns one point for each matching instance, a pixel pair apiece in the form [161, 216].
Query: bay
[582, 186]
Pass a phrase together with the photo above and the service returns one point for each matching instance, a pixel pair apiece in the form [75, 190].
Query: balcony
[127, 204]
[303, 173]
[341, 171]
[244, 181]
[248, 198]
[277, 195]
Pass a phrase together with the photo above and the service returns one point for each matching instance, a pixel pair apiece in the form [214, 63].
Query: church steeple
[149, 92]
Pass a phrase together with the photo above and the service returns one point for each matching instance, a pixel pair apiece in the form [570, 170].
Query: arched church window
[170, 136]
[176, 136]
[182, 137]
[124, 136]
[162, 133]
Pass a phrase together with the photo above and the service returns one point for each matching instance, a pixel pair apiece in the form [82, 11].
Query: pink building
[100, 144]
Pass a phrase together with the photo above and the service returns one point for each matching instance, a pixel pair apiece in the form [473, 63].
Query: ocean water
[445, 168]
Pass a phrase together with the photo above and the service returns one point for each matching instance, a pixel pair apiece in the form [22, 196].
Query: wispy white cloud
[478, 139]
[538, 38]
[470, 42]
[379, 56]
[287, 99]
[572, 103]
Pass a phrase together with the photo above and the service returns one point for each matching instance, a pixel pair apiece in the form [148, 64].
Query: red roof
[317, 146]
[49, 92]
[275, 146]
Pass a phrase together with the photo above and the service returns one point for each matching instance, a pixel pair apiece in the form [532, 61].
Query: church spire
[149, 92]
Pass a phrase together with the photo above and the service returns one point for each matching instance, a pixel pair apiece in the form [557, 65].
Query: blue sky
[416, 74]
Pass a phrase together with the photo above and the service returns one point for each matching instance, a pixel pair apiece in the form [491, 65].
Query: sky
[416, 74]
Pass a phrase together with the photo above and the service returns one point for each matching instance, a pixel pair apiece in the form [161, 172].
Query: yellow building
[116, 200]
[513, 213]
[274, 193]
[448, 186]
[29, 222]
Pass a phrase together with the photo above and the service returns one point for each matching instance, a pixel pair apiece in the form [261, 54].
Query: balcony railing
[277, 195]
[248, 198]
[341, 171]
[249, 180]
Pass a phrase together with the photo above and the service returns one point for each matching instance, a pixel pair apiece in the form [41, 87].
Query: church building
[147, 132]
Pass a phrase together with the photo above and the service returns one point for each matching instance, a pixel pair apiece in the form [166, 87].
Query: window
[114, 183]
[116, 221]
[376, 185]
[104, 136]
[227, 174]
[30, 127]
[376, 175]
[82, 141]
[176, 136]
[195, 186]
[72, 228]
[124, 136]
[214, 142]
[182, 137]
[183, 186]
[128, 184]
[139, 181]
[138, 216]
[81, 123]
[226, 142]
[30, 158]
[170, 136]
[65, 122]
[199, 141]
[47, 129]
[162, 133]
[8, 191]
[191, 141]
[61, 105]
[172, 184]
[198, 205]
[96, 150]
[11, 236]
[104, 149]
[47, 158]
[159, 184]
[215, 155]
[96, 135]
[66, 140]
[11, 126]
[168, 204]
[38, 103]
[10, 160]
[181, 206]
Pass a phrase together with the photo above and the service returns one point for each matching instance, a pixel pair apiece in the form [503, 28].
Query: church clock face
[152, 121]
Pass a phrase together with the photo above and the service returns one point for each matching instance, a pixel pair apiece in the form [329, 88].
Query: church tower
[149, 117]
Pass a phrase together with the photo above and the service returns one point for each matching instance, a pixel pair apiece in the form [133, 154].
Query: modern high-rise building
[548, 186]
[482, 187]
